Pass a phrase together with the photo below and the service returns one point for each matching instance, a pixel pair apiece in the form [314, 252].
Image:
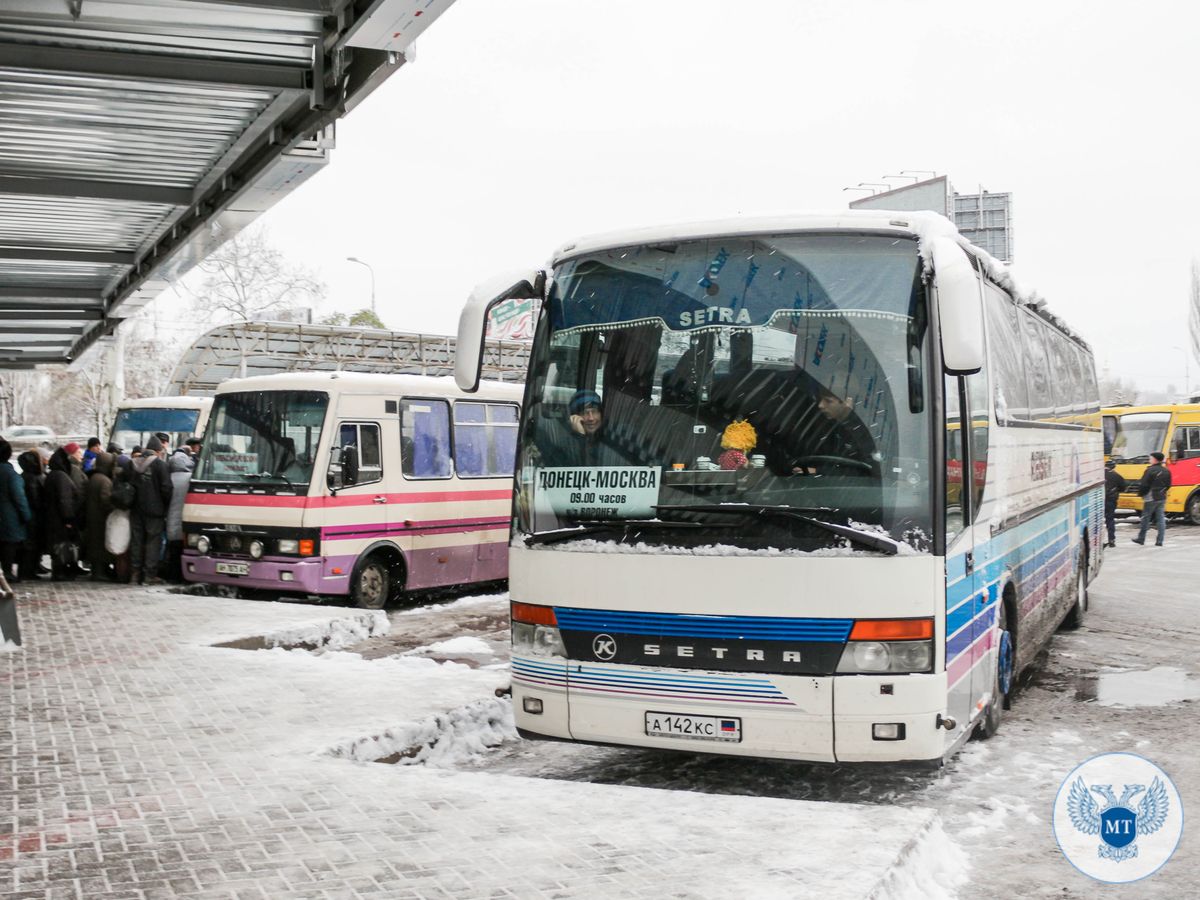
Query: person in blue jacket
[15, 513]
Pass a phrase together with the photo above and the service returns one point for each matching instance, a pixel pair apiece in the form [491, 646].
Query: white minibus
[352, 484]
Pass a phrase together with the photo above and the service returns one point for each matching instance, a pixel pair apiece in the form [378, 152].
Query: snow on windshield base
[591, 545]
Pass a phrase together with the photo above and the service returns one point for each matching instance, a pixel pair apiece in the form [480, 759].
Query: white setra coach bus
[743, 522]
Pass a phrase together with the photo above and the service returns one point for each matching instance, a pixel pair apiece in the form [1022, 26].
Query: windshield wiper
[799, 513]
[596, 526]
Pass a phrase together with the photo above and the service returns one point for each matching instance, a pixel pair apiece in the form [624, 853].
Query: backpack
[123, 494]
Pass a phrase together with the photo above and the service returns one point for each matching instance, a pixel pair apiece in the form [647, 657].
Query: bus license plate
[696, 728]
[224, 568]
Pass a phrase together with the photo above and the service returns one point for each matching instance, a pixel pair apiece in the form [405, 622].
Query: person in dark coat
[33, 474]
[97, 506]
[1114, 483]
[148, 518]
[1153, 487]
[122, 471]
[15, 513]
[63, 504]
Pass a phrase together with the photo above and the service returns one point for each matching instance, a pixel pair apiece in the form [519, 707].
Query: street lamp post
[1187, 385]
[355, 259]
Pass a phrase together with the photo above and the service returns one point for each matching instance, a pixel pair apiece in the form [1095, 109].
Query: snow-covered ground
[177, 746]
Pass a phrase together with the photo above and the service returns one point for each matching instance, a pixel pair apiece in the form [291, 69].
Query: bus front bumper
[802, 718]
[305, 576]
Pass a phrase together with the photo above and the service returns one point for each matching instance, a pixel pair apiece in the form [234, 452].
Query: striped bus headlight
[888, 646]
[535, 631]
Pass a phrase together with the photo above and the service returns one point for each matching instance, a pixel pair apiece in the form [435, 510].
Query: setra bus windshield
[263, 439]
[763, 393]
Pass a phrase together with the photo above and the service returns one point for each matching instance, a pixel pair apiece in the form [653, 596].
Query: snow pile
[444, 741]
[930, 867]
[331, 634]
[464, 645]
[10, 647]
[459, 604]
[994, 817]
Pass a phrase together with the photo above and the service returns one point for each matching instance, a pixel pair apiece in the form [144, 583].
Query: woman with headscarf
[33, 474]
[14, 513]
[97, 506]
[62, 503]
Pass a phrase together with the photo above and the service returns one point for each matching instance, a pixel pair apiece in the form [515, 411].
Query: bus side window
[425, 438]
[485, 439]
[954, 460]
[361, 461]
[1187, 442]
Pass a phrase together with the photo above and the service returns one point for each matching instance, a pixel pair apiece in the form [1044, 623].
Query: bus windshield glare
[263, 438]
[1138, 435]
[741, 391]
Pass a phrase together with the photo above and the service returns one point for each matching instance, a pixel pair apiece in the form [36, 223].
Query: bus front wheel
[1001, 679]
[369, 588]
[1192, 510]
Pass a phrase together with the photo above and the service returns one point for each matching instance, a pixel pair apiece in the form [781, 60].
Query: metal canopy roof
[137, 135]
[268, 348]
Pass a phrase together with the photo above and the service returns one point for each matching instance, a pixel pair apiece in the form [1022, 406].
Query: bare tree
[22, 395]
[248, 279]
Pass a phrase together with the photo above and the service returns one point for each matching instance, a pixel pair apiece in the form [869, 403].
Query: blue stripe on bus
[965, 619]
[683, 625]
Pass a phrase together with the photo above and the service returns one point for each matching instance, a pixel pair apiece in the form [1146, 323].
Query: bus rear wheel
[1002, 678]
[370, 585]
[1191, 511]
[1079, 609]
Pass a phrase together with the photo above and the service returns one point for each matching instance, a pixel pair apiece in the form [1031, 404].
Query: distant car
[29, 434]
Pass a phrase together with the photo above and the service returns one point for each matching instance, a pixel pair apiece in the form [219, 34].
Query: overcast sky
[525, 123]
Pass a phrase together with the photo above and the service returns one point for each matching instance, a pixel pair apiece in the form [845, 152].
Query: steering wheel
[844, 462]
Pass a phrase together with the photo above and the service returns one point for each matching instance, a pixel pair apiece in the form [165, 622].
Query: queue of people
[100, 513]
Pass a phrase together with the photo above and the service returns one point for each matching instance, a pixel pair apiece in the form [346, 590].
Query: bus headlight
[289, 546]
[888, 645]
[256, 549]
[202, 544]
[192, 538]
[535, 631]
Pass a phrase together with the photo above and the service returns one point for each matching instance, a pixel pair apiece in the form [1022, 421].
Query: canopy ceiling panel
[137, 135]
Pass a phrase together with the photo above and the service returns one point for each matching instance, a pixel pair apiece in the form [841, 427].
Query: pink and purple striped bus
[359, 485]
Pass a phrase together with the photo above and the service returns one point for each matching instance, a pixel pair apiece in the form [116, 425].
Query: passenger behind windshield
[586, 443]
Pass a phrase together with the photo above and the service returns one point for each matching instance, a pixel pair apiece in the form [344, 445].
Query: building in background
[985, 219]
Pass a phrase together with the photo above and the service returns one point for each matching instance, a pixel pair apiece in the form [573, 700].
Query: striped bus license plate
[696, 728]
[224, 568]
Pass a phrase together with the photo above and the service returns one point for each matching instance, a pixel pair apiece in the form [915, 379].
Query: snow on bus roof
[370, 382]
[923, 225]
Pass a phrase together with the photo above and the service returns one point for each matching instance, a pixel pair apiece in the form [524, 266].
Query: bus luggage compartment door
[740, 714]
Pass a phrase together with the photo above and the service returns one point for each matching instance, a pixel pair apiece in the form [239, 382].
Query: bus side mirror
[472, 322]
[349, 465]
[343, 467]
[959, 307]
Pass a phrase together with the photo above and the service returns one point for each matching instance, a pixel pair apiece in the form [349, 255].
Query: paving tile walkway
[140, 761]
